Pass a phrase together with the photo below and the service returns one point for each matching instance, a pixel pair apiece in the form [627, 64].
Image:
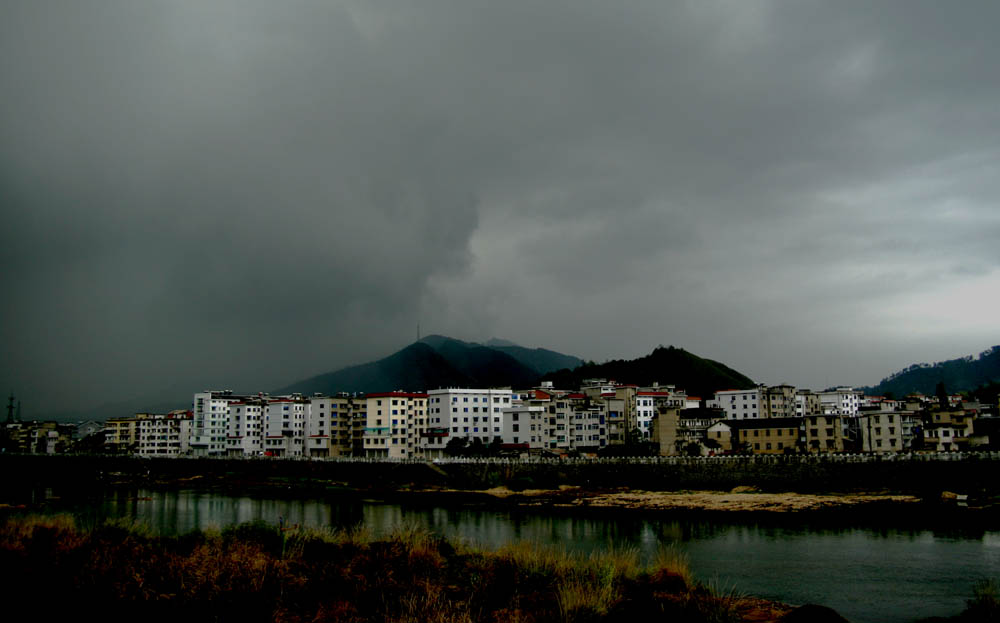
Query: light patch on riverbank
[741, 501]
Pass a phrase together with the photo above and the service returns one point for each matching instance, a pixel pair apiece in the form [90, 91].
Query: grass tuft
[985, 602]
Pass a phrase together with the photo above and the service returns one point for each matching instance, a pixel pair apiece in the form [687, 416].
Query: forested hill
[958, 375]
[439, 361]
[666, 365]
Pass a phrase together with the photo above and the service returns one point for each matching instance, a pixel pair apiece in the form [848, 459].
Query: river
[868, 575]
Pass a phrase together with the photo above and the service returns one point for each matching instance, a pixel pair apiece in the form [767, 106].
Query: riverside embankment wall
[921, 474]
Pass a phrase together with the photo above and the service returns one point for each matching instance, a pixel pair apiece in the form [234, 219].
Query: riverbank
[256, 572]
[976, 475]
[810, 488]
[741, 500]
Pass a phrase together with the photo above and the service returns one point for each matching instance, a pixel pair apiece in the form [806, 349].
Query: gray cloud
[241, 193]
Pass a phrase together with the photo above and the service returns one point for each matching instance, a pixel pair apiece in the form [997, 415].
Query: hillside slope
[431, 363]
[958, 375]
[670, 366]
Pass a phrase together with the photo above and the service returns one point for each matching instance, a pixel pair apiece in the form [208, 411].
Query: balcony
[435, 432]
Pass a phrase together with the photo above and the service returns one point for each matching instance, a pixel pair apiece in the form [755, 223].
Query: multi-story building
[948, 430]
[165, 434]
[647, 399]
[463, 413]
[524, 424]
[211, 422]
[912, 426]
[741, 404]
[693, 424]
[285, 426]
[332, 426]
[245, 426]
[880, 432]
[807, 403]
[121, 434]
[622, 408]
[766, 436]
[395, 421]
[685, 431]
[841, 401]
[645, 410]
[587, 423]
[566, 422]
[823, 433]
[617, 422]
[779, 401]
[663, 430]
[719, 437]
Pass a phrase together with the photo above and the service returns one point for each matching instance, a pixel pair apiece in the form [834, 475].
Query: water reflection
[882, 574]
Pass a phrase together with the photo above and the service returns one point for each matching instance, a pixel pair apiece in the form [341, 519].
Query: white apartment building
[741, 404]
[464, 413]
[211, 422]
[245, 430]
[841, 401]
[164, 435]
[395, 421]
[522, 427]
[285, 426]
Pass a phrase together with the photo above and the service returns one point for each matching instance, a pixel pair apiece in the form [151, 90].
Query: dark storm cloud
[245, 193]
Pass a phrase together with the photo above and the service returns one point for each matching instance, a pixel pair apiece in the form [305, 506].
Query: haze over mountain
[958, 375]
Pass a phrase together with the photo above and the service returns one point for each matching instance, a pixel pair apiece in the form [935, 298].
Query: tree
[692, 448]
[457, 446]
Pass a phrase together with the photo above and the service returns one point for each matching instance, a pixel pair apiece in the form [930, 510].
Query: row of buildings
[595, 417]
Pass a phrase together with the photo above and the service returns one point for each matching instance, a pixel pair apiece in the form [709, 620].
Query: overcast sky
[243, 193]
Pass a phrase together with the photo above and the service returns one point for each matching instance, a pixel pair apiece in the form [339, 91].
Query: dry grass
[256, 572]
[670, 562]
[17, 534]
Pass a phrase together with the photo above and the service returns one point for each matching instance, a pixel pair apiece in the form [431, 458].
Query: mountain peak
[437, 340]
[495, 341]
[440, 361]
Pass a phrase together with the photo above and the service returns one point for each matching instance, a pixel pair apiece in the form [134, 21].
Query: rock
[813, 613]
[744, 489]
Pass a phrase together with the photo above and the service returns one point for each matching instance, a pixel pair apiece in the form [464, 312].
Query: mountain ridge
[963, 374]
[667, 365]
[437, 361]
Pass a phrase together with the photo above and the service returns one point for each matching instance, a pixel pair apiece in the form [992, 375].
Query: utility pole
[10, 408]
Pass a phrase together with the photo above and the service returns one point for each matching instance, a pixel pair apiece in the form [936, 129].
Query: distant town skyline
[246, 194]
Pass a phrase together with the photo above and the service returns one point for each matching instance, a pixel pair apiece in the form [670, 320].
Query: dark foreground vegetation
[256, 572]
[260, 572]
